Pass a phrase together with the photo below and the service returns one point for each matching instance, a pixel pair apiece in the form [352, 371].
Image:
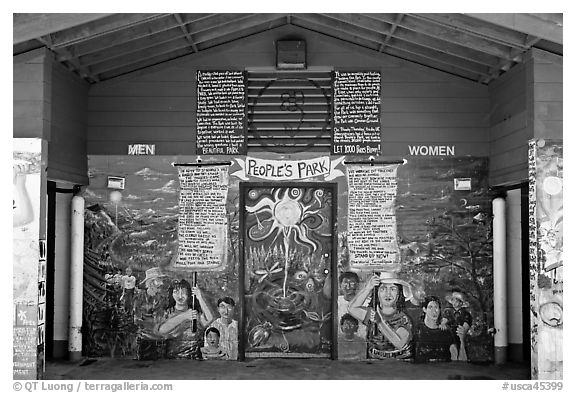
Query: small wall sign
[116, 182]
[140, 149]
[463, 184]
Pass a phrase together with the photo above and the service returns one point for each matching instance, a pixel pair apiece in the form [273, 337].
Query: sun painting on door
[288, 259]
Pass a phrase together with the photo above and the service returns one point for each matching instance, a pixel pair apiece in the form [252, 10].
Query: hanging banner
[202, 223]
[371, 216]
[280, 170]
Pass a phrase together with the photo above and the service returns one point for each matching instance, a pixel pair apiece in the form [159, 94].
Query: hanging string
[372, 161]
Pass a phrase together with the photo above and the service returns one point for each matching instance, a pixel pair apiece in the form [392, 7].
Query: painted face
[432, 311]
[225, 310]
[349, 287]
[153, 286]
[457, 303]
[128, 271]
[349, 328]
[388, 294]
[180, 295]
[212, 339]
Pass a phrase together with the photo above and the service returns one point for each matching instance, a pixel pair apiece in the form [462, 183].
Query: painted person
[458, 320]
[211, 349]
[187, 311]
[350, 346]
[22, 212]
[348, 283]
[149, 304]
[389, 328]
[227, 327]
[128, 283]
[432, 343]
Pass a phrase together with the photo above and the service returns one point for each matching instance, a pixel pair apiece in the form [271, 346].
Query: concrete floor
[277, 369]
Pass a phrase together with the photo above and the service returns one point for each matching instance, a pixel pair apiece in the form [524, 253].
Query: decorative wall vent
[289, 111]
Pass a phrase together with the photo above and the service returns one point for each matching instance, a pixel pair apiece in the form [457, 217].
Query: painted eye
[300, 275]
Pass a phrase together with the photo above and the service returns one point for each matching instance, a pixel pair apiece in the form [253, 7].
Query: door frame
[333, 187]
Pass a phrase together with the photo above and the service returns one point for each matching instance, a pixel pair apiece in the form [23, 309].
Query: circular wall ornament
[552, 185]
[115, 196]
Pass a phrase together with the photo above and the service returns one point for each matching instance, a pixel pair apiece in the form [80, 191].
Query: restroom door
[287, 260]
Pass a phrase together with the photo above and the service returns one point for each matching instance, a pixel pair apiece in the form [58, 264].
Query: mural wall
[435, 303]
[546, 258]
[29, 257]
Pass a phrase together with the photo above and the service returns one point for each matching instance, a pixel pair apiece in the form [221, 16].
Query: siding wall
[509, 132]
[50, 103]
[525, 103]
[31, 103]
[67, 148]
[545, 101]
[419, 105]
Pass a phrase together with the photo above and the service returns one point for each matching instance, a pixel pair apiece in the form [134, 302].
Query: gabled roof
[478, 47]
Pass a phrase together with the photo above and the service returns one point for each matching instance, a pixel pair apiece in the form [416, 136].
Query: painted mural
[436, 304]
[546, 258]
[287, 256]
[29, 260]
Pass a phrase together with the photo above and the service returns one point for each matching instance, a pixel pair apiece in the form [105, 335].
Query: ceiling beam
[488, 31]
[392, 31]
[439, 55]
[122, 36]
[162, 51]
[97, 29]
[31, 26]
[545, 26]
[184, 29]
[399, 33]
[430, 28]
[236, 27]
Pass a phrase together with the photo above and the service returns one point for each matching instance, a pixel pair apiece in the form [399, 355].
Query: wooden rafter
[122, 36]
[489, 32]
[95, 30]
[234, 35]
[545, 26]
[31, 26]
[429, 28]
[163, 49]
[236, 27]
[343, 29]
[392, 31]
[187, 34]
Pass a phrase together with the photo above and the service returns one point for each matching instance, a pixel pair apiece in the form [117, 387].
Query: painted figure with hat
[458, 320]
[149, 306]
[389, 327]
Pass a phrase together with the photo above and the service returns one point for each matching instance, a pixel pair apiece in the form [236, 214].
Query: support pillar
[500, 299]
[76, 279]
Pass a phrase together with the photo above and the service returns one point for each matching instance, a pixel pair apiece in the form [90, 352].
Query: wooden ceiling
[478, 47]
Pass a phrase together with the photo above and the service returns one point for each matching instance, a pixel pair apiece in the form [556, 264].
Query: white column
[76, 279]
[500, 299]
